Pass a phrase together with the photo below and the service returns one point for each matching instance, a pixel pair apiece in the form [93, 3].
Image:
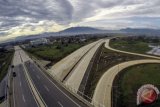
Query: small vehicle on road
[12, 66]
[14, 74]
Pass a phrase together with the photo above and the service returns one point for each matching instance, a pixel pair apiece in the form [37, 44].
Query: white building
[155, 50]
[41, 41]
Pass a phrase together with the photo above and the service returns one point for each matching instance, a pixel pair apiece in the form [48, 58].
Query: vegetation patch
[129, 80]
[53, 52]
[5, 60]
[136, 45]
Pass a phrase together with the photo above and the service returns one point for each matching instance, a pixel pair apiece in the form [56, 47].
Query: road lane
[49, 92]
[17, 91]
[22, 94]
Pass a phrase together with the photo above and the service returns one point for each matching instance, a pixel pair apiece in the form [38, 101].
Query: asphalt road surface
[22, 96]
[50, 91]
[51, 94]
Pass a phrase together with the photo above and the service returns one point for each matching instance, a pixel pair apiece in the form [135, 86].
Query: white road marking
[14, 94]
[19, 74]
[20, 84]
[60, 104]
[46, 88]
[38, 76]
[23, 98]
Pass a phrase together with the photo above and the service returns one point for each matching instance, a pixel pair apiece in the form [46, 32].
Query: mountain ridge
[92, 30]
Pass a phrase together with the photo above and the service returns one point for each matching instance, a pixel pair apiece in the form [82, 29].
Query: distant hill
[86, 30]
[141, 31]
[80, 30]
[91, 30]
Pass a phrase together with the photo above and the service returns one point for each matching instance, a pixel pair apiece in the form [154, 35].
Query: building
[41, 41]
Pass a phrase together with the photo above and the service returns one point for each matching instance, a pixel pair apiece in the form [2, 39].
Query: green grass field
[57, 51]
[130, 80]
[137, 46]
[53, 52]
[5, 60]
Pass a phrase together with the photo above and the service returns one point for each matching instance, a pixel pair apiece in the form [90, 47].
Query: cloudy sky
[25, 17]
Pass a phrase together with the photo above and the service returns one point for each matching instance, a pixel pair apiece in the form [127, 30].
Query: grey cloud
[65, 12]
[3, 33]
[150, 9]
[87, 8]
[37, 10]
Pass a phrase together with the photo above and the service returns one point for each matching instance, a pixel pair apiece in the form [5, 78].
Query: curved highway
[102, 94]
